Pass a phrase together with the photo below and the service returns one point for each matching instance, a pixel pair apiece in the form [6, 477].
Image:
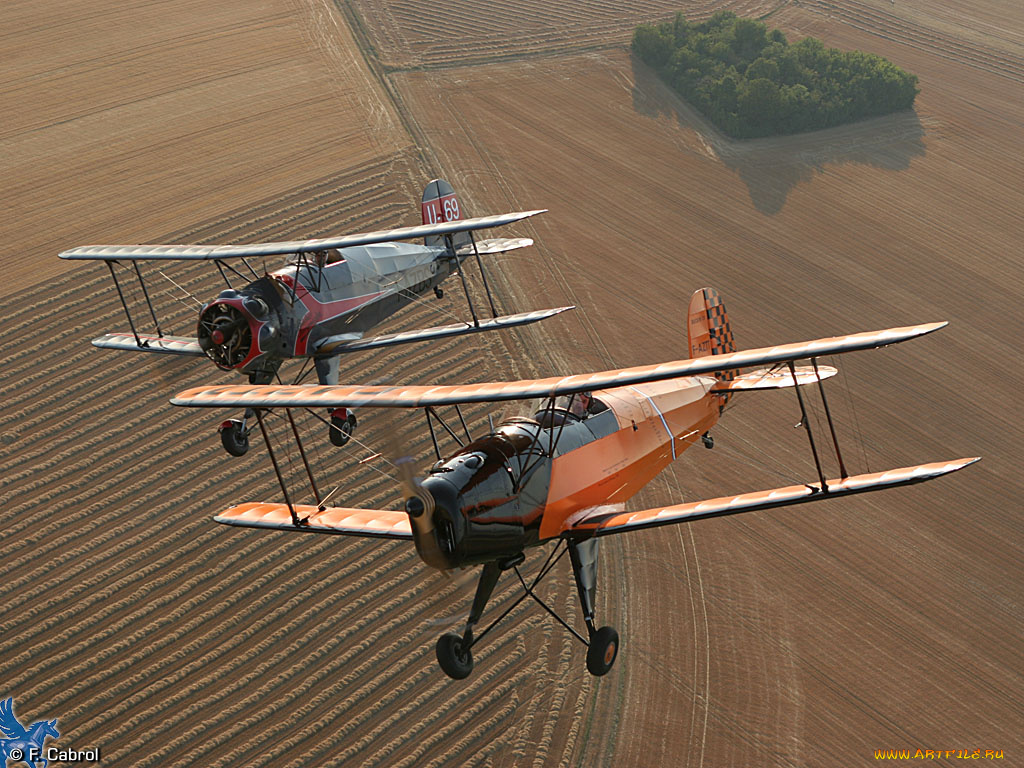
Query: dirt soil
[808, 636]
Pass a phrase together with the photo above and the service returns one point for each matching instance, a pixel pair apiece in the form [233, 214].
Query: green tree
[750, 82]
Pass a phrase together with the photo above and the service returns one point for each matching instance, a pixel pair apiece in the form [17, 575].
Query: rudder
[440, 205]
[708, 329]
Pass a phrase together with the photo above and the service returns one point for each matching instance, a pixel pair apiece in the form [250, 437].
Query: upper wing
[601, 524]
[421, 396]
[370, 523]
[209, 252]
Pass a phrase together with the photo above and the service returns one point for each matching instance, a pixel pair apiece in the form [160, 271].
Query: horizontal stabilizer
[211, 252]
[603, 524]
[772, 378]
[168, 345]
[333, 346]
[495, 245]
[369, 523]
[412, 396]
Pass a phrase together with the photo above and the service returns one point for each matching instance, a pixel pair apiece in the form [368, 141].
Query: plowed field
[810, 636]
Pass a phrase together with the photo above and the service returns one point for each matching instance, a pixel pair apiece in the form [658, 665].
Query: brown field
[810, 636]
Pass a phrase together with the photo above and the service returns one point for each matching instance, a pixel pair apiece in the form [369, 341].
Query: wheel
[341, 429]
[439, 291]
[234, 437]
[604, 647]
[708, 440]
[456, 662]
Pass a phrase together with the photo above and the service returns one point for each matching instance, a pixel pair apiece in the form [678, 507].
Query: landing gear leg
[454, 651]
[603, 647]
[234, 433]
[343, 420]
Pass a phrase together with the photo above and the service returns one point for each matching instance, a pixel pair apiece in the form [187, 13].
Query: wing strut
[148, 302]
[807, 426]
[440, 419]
[296, 520]
[810, 435]
[828, 415]
[305, 461]
[462, 277]
[483, 275]
[144, 340]
[465, 427]
[433, 435]
[276, 470]
[124, 303]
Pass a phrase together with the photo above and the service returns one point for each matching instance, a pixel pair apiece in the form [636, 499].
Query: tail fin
[441, 205]
[708, 328]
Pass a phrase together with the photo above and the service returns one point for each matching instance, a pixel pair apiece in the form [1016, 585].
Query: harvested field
[803, 637]
[809, 636]
[121, 125]
[410, 34]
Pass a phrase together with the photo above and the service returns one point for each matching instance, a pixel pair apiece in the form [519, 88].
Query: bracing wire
[856, 421]
[750, 461]
[180, 288]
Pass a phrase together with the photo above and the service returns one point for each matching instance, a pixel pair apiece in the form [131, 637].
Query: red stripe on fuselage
[318, 312]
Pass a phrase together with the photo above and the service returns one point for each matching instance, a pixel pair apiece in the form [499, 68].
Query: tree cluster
[750, 82]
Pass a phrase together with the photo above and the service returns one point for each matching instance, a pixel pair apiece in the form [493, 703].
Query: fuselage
[518, 486]
[292, 311]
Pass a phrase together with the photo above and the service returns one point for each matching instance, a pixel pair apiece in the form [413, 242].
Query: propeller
[224, 334]
[420, 506]
[419, 503]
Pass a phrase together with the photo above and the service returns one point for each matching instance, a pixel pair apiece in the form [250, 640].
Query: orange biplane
[562, 476]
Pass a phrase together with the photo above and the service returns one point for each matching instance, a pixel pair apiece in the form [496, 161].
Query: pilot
[581, 405]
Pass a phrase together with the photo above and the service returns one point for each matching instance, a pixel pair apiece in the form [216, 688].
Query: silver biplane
[321, 304]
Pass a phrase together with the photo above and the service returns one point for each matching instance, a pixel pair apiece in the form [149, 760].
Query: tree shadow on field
[772, 167]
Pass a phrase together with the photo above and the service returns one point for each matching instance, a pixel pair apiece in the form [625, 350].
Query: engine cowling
[235, 330]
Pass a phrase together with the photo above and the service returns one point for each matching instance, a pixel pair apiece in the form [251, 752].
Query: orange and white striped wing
[602, 523]
[369, 523]
[252, 396]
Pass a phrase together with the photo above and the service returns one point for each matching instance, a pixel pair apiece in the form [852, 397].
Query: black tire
[341, 429]
[456, 662]
[603, 650]
[234, 438]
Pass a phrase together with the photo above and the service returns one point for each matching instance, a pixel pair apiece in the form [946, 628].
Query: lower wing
[369, 523]
[600, 523]
[337, 345]
[168, 345]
